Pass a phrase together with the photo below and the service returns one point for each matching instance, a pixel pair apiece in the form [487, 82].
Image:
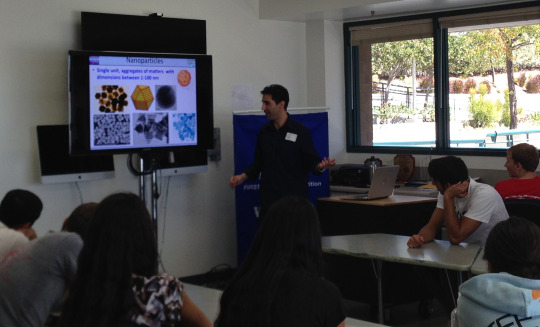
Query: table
[207, 299]
[398, 214]
[399, 190]
[393, 200]
[480, 266]
[393, 248]
[342, 215]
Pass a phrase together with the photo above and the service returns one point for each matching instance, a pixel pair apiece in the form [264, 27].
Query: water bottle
[372, 164]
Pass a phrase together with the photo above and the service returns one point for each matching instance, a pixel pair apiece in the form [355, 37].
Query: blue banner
[246, 128]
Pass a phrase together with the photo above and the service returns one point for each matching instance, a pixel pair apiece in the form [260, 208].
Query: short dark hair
[19, 207]
[448, 169]
[78, 220]
[278, 93]
[513, 246]
[526, 154]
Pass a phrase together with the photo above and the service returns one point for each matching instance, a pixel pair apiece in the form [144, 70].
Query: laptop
[382, 185]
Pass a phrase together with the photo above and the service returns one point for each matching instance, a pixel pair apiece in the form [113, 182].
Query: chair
[524, 208]
[454, 318]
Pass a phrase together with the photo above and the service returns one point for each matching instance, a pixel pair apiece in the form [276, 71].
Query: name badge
[291, 137]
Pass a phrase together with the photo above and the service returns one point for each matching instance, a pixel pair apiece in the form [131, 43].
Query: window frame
[441, 88]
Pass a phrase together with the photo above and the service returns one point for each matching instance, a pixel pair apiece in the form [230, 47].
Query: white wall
[199, 215]
[196, 212]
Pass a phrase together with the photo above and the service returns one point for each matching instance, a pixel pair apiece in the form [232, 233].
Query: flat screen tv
[119, 32]
[57, 166]
[135, 102]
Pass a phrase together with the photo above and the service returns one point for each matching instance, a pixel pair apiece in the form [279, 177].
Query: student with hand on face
[468, 209]
[521, 163]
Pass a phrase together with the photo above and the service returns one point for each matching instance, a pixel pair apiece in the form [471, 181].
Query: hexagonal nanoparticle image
[165, 97]
[111, 98]
[184, 127]
[142, 97]
[150, 129]
[111, 129]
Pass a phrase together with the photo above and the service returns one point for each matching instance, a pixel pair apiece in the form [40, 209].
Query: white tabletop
[401, 190]
[207, 299]
[387, 247]
[349, 322]
[393, 200]
[480, 265]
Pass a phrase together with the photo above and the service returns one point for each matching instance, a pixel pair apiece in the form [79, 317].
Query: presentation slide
[139, 102]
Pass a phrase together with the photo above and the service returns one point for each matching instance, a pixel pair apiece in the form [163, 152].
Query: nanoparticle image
[111, 98]
[142, 97]
[111, 129]
[184, 78]
[185, 127]
[165, 97]
[150, 129]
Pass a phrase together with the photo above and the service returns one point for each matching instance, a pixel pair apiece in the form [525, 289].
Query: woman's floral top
[159, 300]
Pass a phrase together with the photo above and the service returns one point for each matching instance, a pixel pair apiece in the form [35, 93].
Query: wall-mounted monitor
[57, 166]
[150, 34]
[127, 102]
[119, 32]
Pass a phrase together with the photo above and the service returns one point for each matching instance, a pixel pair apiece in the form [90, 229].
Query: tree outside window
[488, 83]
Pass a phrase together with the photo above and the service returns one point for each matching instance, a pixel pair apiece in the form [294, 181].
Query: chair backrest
[524, 208]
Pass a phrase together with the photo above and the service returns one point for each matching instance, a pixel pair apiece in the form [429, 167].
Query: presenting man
[521, 162]
[284, 154]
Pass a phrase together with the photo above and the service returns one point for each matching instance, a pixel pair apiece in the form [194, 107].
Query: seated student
[468, 209]
[116, 283]
[509, 294]
[281, 282]
[521, 162]
[34, 277]
[19, 210]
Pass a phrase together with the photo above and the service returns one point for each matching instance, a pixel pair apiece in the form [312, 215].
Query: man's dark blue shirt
[283, 158]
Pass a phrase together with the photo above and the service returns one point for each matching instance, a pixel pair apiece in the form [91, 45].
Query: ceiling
[343, 10]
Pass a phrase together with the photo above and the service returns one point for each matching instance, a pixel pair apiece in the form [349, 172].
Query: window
[440, 83]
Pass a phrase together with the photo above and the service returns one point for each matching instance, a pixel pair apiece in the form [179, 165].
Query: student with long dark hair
[509, 294]
[281, 280]
[116, 282]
